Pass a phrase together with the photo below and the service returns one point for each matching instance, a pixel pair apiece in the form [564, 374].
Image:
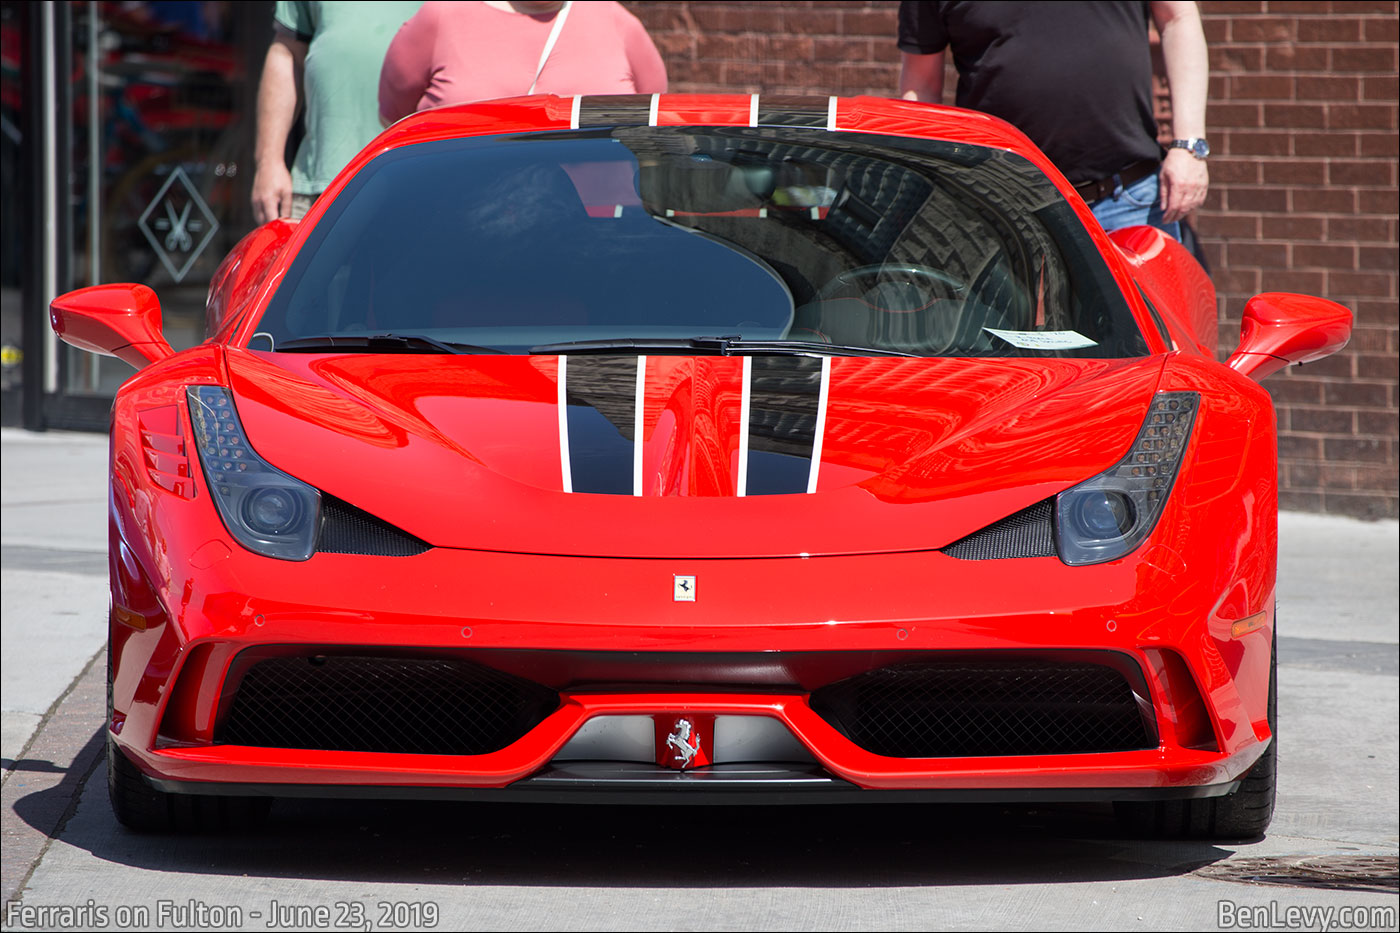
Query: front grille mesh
[348, 530]
[1028, 533]
[431, 706]
[969, 708]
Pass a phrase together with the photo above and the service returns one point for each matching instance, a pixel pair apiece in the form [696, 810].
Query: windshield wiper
[724, 346]
[380, 343]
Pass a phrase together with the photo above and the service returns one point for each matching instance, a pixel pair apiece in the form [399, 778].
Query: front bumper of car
[763, 638]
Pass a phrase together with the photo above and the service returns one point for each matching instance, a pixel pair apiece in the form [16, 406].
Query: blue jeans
[1136, 204]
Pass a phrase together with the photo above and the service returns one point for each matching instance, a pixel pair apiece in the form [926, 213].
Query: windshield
[701, 240]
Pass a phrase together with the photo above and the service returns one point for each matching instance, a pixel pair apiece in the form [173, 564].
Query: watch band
[1196, 145]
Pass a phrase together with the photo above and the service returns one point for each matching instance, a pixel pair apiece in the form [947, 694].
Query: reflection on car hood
[502, 453]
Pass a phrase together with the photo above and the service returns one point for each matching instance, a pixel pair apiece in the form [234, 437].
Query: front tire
[141, 808]
[1245, 814]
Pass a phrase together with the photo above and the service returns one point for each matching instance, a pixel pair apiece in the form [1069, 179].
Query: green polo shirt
[346, 43]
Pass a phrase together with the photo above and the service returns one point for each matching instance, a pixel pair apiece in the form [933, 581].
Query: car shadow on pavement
[448, 842]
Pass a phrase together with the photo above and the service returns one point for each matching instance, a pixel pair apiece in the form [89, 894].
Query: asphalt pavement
[333, 864]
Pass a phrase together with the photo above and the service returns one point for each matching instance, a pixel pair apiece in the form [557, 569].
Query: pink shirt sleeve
[408, 65]
[648, 70]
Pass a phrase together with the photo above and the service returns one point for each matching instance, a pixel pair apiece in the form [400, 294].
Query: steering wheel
[923, 277]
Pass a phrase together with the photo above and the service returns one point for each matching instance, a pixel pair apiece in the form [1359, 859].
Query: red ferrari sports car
[715, 448]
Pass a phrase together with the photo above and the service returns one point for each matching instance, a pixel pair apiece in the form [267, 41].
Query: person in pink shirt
[451, 53]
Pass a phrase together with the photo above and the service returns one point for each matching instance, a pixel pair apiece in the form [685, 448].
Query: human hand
[1184, 181]
[272, 191]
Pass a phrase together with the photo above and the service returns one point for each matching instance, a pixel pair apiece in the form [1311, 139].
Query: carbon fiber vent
[428, 706]
[969, 708]
[348, 530]
[1028, 533]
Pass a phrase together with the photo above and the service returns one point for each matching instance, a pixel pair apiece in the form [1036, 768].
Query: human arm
[921, 77]
[408, 66]
[279, 98]
[648, 70]
[1185, 178]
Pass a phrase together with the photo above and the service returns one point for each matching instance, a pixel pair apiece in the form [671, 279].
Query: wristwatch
[1197, 146]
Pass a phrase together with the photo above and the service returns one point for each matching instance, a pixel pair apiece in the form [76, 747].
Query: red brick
[1293, 447]
[1266, 86]
[1320, 420]
[1301, 282]
[1379, 144]
[882, 23]
[1370, 6]
[1382, 29]
[1263, 255]
[815, 21]
[1235, 115]
[1327, 256]
[1294, 172]
[1356, 448]
[1337, 144]
[1297, 58]
[1373, 311]
[1357, 228]
[1370, 284]
[1360, 116]
[1303, 116]
[1369, 173]
[1239, 281]
[1246, 59]
[840, 50]
[1378, 423]
[1288, 387]
[1221, 7]
[1377, 258]
[1294, 501]
[1332, 29]
[1216, 30]
[1294, 227]
[1228, 170]
[1328, 87]
[1228, 225]
[1377, 367]
[747, 77]
[1323, 201]
[1264, 29]
[1359, 394]
[1358, 505]
[1259, 142]
[1350, 58]
[789, 49]
[1336, 366]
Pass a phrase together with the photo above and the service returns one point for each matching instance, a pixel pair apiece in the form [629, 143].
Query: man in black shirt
[1077, 79]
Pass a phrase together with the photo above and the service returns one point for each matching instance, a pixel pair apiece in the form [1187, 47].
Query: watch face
[1200, 148]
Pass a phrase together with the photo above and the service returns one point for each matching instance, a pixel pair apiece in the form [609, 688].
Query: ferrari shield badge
[683, 588]
[684, 741]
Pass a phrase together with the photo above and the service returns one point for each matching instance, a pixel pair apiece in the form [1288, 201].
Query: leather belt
[1092, 191]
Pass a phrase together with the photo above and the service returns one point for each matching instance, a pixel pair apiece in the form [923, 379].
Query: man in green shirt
[325, 56]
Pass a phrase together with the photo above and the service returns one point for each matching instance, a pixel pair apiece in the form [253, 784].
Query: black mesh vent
[970, 708]
[382, 704]
[348, 530]
[1028, 533]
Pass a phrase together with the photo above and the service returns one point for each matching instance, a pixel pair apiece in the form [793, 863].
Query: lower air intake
[1028, 533]
[428, 706]
[972, 708]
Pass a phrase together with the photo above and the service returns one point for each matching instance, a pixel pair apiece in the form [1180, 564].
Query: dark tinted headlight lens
[1104, 514]
[1107, 516]
[266, 511]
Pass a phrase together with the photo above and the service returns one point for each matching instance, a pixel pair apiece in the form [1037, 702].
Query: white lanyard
[559, 18]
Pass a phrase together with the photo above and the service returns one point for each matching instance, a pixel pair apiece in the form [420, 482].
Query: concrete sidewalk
[1337, 576]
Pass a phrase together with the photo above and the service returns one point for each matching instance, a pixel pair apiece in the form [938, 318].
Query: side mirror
[114, 320]
[1279, 329]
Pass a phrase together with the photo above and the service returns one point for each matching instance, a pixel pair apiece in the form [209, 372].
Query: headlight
[1104, 518]
[267, 511]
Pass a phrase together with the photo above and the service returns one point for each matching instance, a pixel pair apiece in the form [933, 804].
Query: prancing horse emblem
[685, 741]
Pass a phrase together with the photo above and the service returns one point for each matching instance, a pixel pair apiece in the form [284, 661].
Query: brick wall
[1303, 197]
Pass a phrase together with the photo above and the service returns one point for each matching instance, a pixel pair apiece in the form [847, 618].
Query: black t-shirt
[1074, 77]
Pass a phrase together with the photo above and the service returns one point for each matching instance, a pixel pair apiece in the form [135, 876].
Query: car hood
[911, 454]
